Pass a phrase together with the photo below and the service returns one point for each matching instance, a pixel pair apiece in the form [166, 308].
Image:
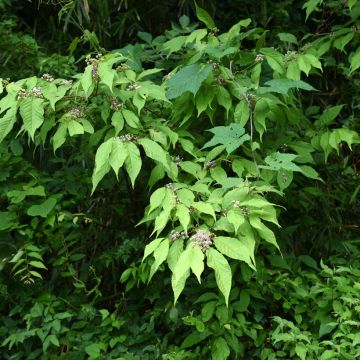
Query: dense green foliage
[192, 194]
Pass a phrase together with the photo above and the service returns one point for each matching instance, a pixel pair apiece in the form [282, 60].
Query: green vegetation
[192, 193]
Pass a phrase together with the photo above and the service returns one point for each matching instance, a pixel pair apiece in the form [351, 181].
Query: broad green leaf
[151, 247]
[310, 6]
[284, 178]
[156, 198]
[131, 119]
[220, 349]
[328, 116]
[277, 161]
[174, 44]
[282, 86]
[224, 99]
[42, 209]
[189, 78]
[181, 273]
[287, 37]
[176, 249]
[87, 81]
[161, 221]
[235, 218]
[232, 136]
[242, 113]
[7, 122]
[32, 113]
[75, 128]
[183, 215]
[234, 249]
[117, 121]
[7, 220]
[204, 17]
[263, 231]
[154, 151]
[204, 208]
[274, 59]
[60, 136]
[355, 60]
[196, 261]
[133, 161]
[37, 264]
[102, 163]
[160, 255]
[261, 112]
[118, 155]
[106, 73]
[222, 270]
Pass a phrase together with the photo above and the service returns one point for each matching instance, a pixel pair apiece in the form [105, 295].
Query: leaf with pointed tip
[133, 161]
[222, 270]
[160, 255]
[7, 122]
[102, 164]
[32, 113]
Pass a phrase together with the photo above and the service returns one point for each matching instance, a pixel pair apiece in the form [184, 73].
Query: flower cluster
[177, 160]
[5, 82]
[290, 55]
[95, 63]
[133, 86]
[259, 58]
[202, 239]
[123, 67]
[175, 235]
[47, 77]
[77, 112]
[115, 104]
[34, 92]
[235, 203]
[68, 82]
[170, 186]
[210, 164]
[127, 137]
[244, 211]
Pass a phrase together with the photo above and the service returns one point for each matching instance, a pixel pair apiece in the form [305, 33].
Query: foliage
[213, 173]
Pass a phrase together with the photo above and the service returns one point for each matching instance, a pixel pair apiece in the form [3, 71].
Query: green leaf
[176, 249]
[263, 231]
[38, 264]
[310, 6]
[75, 128]
[182, 213]
[220, 349]
[118, 155]
[196, 261]
[328, 116]
[284, 178]
[32, 113]
[181, 273]
[42, 209]
[157, 198]
[151, 247]
[7, 122]
[204, 208]
[60, 136]
[87, 81]
[355, 60]
[277, 161]
[131, 119]
[204, 17]
[274, 59]
[301, 350]
[234, 249]
[117, 121]
[154, 151]
[222, 270]
[282, 86]
[287, 37]
[102, 164]
[189, 78]
[133, 161]
[160, 255]
[232, 136]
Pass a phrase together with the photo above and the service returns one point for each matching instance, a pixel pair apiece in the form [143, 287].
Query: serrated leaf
[117, 121]
[196, 261]
[133, 161]
[232, 136]
[102, 164]
[7, 122]
[154, 151]
[131, 119]
[151, 247]
[189, 78]
[32, 113]
[118, 155]
[181, 273]
[204, 208]
[234, 249]
[263, 231]
[176, 249]
[222, 270]
[87, 81]
[282, 86]
[160, 255]
[182, 213]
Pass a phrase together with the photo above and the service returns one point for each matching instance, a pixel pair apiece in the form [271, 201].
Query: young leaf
[118, 155]
[204, 17]
[102, 164]
[160, 255]
[42, 209]
[182, 213]
[196, 261]
[7, 122]
[222, 270]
